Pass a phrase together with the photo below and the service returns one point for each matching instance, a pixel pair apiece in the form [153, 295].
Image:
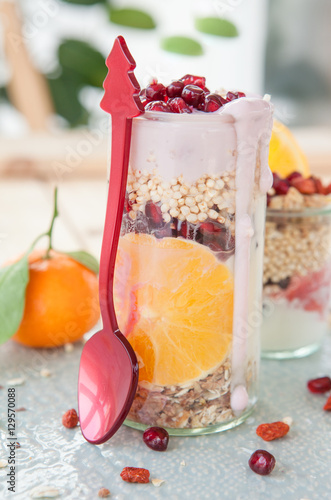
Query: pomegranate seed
[209, 228]
[192, 95]
[127, 204]
[156, 438]
[212, 103]
[293, 175]
[231, 96]
[241, 94]
[156, 92]
[199, 81]
[178, 105]
[158, 106]
[319, 385]
[201, 105]
[175, 89]
[144, 101]
[186, 230]
[281, 187]
[163, 232]
[154, 214]
[262, 462]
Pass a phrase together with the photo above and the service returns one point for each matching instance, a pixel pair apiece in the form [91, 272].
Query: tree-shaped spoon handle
[121, 100]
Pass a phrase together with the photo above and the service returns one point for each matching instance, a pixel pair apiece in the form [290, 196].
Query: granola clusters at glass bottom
[297, 264]
[174, 296]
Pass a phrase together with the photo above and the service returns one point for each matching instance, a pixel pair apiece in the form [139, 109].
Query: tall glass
[188, 279]
[297, 280]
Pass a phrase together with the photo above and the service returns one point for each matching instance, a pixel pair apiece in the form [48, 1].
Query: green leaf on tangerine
[182, 45]
[13, 281]
[133, 18]
[86, 259]
[216, 26]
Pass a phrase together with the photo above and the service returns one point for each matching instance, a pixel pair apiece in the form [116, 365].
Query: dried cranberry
[70, 419]
[154, 215]
[156, 438]
[178, 105]
[175, 89]
[156, 92]
[319, 385]
[262, 462]
[192, 95]
[135, 475]
[304, 186]
[319, 188]
[212, 103]
[158, 106]
[199, 81]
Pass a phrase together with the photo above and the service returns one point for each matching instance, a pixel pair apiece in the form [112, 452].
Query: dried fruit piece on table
[274, 430]
[327, 406]
[319, 385]
[135, 475]
[262, 462]
[70, 419]
[103, 493]
[156, 438]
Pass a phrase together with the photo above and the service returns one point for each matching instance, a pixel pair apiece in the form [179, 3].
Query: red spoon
[108, 372]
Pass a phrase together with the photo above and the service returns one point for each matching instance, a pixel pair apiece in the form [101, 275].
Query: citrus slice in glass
[285, 154]
[174, 302]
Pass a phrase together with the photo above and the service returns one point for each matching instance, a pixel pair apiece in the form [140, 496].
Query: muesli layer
[199, 404]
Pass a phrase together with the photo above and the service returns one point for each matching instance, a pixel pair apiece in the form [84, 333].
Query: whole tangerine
[61, 301]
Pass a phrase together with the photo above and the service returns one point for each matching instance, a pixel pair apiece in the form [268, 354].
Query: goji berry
[70, 419]
[272, 431]
[327, 406]
[135, 475]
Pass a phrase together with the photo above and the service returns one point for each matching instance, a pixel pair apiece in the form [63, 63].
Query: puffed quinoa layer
[210, 196]
[295, 245]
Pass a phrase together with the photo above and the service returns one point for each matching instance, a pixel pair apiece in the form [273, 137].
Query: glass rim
[306, 212]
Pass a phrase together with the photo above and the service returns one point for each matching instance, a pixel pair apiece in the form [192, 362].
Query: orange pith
[61, 301]
[285, 154]
[174, 302]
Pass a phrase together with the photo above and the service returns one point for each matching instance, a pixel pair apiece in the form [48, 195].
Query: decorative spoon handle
[121, 100]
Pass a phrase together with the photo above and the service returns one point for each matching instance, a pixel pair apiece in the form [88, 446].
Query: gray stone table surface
[204, 467]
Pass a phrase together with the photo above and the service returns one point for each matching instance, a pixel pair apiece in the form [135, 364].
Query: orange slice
[285, 154]
[174, 302]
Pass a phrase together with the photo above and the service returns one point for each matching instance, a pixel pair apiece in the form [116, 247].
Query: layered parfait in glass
[188, 277]
[297, 266]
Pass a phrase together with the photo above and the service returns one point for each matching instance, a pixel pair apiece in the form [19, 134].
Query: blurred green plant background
[81, 65]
